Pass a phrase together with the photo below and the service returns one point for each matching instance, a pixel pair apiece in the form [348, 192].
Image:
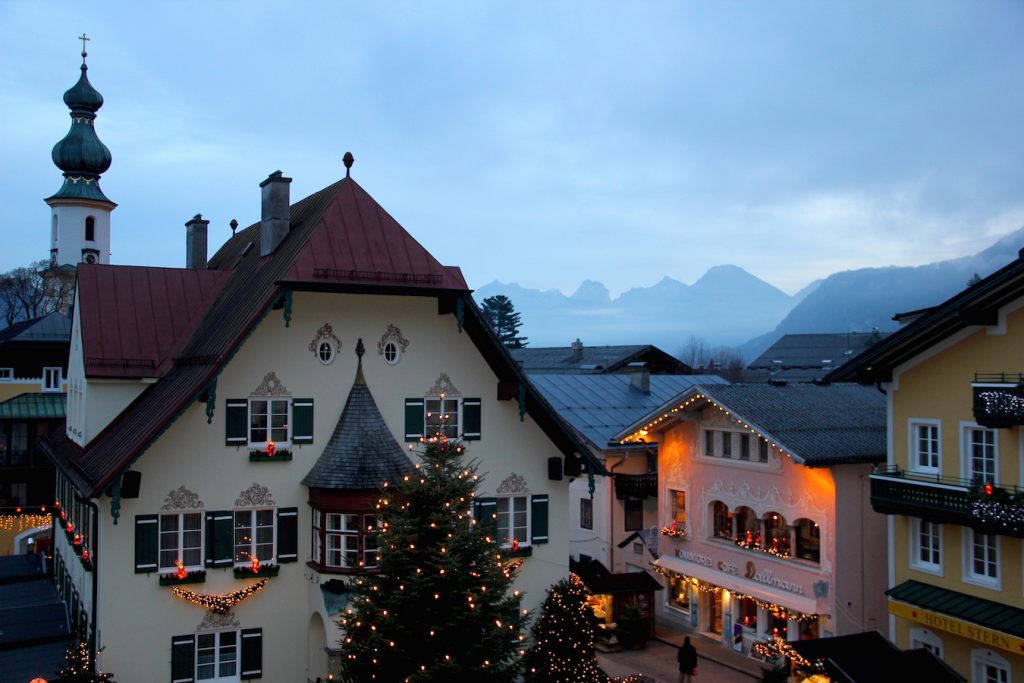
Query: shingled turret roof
[362, 453]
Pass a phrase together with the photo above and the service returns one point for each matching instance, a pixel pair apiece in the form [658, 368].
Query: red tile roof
[135, 319]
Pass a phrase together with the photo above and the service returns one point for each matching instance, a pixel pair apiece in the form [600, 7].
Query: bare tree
[34, 290]
[695, 352]
[708, 360]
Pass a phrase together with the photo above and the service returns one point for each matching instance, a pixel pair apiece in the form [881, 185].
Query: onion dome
[81, 155]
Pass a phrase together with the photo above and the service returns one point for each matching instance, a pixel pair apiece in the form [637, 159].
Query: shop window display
[808, 540]
[776, 534]
[778, 626]
[679, 593]
[722, 520]
[748, 528]
[748, 613]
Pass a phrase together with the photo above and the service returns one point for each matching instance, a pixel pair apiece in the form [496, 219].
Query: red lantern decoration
[78, 539]
[181, 573]
[271, 448]
[70, 527]
[515, 544]
[989, 488]
[85, 555]
[255, 565]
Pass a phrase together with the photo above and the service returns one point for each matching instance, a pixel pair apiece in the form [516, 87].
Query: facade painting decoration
[393, 334]
[213, 621]
[271, 386]
[443, 386]
[182, 499]
[254, 496]
[513, 484]
[324, 334]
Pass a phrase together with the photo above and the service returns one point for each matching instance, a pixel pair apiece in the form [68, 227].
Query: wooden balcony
[636, 485]
[945, 500]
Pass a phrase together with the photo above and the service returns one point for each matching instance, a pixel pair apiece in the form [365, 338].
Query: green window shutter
[485, 512]
[414, 411]
[236, 419]
[539, 519]
[220, 539]
[146, 535]
[287, 535]
[302, 420]
[183, 659]
[252, 653]
[471, 419]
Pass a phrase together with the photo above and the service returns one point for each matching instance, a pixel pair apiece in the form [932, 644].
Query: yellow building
[951, 487]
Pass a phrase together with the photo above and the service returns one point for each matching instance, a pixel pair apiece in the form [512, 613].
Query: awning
[31, 406]
[791, 601]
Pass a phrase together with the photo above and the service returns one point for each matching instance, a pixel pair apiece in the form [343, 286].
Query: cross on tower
[84, 38]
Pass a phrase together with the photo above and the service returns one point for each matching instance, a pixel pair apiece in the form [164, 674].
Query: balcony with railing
[998, 399]
[636, 485]
[985, 508]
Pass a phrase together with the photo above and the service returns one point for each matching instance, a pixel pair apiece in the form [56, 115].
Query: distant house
[599, 360]
[808, 357]
[765, 523]
[33, 365]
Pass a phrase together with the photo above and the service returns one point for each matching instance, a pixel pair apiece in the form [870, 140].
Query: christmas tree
[440, 606]
[563, 637]
[78, 666]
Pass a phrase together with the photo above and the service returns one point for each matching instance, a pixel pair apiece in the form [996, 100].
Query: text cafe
[740, 601]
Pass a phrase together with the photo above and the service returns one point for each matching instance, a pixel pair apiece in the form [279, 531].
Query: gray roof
[55, 327]
[361, 453]
[600, 406]
[596, 359]
[817, 424]
[806, 357]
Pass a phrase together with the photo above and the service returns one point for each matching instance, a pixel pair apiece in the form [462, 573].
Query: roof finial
[84, 38]
[360, 350]
[349, 160]
[234, 226]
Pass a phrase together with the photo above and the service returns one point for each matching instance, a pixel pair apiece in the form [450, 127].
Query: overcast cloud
[542, 143]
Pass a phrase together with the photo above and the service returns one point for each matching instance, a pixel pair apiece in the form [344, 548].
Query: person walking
[687, 658]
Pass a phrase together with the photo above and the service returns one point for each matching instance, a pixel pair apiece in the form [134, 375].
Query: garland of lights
[1003, 404]
[673, 531]
[777, 647]
[776, 610]
[219, 604]
[640, 434]
[24, 521]
[756, 545]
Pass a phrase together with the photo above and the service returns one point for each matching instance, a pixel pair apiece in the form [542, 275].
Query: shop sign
[702, 560]
[963, 629]
[766, 577]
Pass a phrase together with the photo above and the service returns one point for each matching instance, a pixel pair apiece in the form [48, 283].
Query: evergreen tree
[439, 608]
[78, 666]
[563, 637]
[505, 320]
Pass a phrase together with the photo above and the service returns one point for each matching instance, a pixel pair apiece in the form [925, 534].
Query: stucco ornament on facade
[271, 386]
[393, 334]
[444, 386]
[325, 333]
[182, 499]
[513, 484]
[212, 620]
[254, 496]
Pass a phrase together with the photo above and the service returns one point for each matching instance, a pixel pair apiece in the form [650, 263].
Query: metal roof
[600, 406]
[34, 406]
[596, 359]
[818, 424]
[869, 657]
[361, 453]
[987, 613]
[815, 350]
[54, 327]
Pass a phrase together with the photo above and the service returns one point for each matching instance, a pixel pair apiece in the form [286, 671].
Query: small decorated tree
[563, 637]
[78, 666]
[440, 606]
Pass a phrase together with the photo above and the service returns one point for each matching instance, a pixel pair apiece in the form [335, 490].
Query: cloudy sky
[537, 142]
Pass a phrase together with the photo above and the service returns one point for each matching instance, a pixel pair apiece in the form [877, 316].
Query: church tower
[80, 212]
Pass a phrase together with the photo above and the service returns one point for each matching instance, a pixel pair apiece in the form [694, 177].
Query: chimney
[195, 243]
[276, 212]
[577, 350]
[641, 379]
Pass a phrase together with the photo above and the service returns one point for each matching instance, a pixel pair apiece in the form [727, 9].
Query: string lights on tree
[440, 605]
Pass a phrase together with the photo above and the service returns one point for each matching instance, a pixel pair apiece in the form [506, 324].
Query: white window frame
[342, 530]
[923, 638]
[511, 528]
[219, 650]
[980, 659]
[966, 455]
[6, 375]
[916, 545]
[252, 544]
[392, 352]
[672, 509]
[179, 538]
[326, 351]
[48, 382]
[453, 426]
[969, 575]
[268, 401]
[914, 439]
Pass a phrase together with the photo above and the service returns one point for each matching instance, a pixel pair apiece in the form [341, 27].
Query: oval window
[391, 353]
[325, 352]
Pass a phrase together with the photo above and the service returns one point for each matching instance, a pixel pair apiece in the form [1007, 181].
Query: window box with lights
[270, 455]
[521, 551]
[181, 578]
[264, 571]
[269, 426]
